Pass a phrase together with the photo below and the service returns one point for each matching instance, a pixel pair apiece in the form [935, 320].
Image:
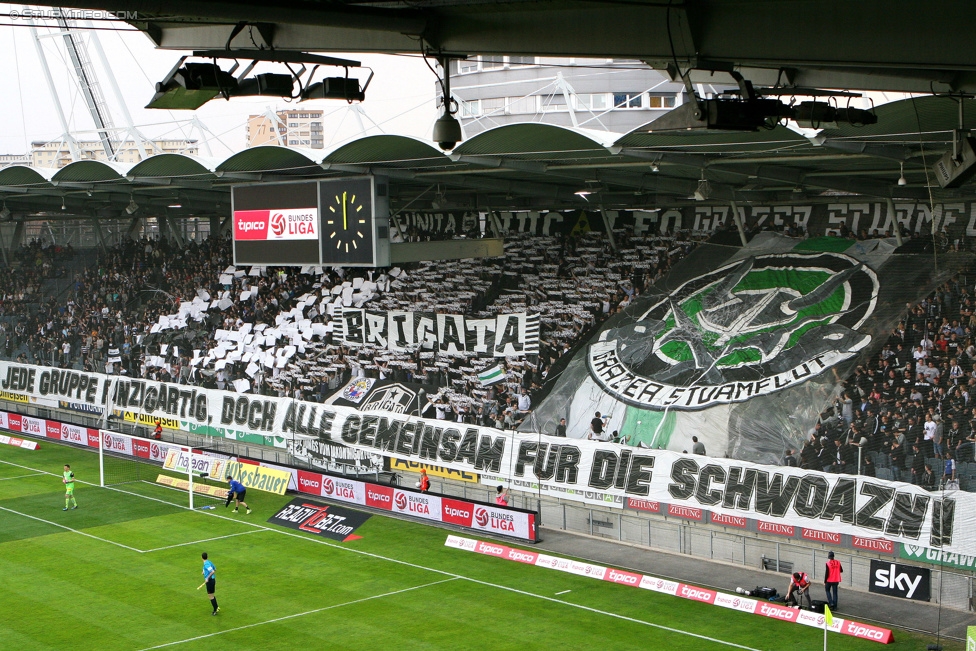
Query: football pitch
[121, 573]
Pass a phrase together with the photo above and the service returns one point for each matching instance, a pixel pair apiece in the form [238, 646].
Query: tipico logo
[749, 328]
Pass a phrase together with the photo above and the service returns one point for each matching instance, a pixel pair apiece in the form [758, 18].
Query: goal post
[125, 459]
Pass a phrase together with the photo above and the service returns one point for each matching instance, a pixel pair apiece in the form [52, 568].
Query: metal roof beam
[844, 184]
[890, 152]
[480, 182]
[505, 163]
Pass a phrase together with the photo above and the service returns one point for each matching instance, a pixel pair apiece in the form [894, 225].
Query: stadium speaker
[951, 172]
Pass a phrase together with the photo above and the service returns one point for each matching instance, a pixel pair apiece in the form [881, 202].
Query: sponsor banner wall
[395, 464]
[957, 218]
[576, 494]
[179, 460]
[937, 557]
[17, 442]
[259, 477]
[515, 523]
[897, 580]
[782, 500]
[683, 590]
[506, 335]
[326, 520]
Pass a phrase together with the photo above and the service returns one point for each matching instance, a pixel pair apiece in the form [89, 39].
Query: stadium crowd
[150, 309]
[908, 414]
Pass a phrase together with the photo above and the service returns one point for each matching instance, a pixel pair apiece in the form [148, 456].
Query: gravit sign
[328, 521]
[896, 580]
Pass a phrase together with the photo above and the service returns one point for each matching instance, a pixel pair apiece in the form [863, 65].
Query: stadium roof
[891, 45]
[534, 166]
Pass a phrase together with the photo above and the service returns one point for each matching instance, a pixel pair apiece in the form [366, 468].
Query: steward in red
[832, 579]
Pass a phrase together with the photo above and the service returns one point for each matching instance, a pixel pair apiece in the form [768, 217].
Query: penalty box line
[437, 571]
[106, 540]
[77, 531]
[295, 615]
[452, 575]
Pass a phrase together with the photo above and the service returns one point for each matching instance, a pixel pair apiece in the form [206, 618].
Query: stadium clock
[351, 235]
[346, 224]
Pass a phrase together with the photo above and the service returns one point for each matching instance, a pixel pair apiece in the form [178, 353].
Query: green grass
[126, 577]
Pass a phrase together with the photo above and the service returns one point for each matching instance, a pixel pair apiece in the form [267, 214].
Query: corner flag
[828, 621]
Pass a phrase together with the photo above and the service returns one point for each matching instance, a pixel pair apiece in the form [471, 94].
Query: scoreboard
[334, 222]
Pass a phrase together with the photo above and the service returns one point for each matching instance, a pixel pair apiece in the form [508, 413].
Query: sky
[400, 98]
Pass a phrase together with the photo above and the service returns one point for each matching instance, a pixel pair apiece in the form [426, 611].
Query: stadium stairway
[854, 604]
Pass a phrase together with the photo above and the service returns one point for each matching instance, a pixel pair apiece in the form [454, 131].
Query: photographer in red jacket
[799, 588]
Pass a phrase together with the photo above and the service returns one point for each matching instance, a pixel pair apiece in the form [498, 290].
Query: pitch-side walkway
[888, 611]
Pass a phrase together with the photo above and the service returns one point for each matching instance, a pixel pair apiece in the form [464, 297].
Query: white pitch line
[563, 592]
[33, 474]
[307, 612]
[196, 542]
[82, 533]
[435, 570]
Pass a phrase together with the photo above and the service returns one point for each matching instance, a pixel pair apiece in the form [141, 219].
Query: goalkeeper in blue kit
[237, 492]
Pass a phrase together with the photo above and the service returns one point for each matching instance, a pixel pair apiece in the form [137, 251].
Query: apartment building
[57, 153]
[293, 128]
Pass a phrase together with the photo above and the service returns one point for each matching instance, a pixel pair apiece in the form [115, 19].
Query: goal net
[136, 463]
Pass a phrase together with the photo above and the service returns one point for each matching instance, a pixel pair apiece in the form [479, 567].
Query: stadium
[703, 382]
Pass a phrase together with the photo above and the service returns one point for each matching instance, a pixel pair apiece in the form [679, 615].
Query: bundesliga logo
[278, 224]
[481, 517]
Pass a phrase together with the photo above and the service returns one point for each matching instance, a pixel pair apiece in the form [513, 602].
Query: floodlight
[820, 115]
[901, 178]
[721, 114]
[346, 88]
[190, 86]
[267, 84]
[132, 207]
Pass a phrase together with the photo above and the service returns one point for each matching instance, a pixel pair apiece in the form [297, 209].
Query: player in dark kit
[237, 493]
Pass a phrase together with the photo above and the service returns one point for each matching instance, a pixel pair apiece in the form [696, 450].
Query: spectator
[789, 459]
[561, 428]
[949, 470]
[597, 426]
[697, 447]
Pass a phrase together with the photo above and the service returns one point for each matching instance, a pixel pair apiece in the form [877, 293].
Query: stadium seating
[152, 310]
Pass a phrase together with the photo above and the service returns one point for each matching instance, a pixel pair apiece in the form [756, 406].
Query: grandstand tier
[741, 347]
